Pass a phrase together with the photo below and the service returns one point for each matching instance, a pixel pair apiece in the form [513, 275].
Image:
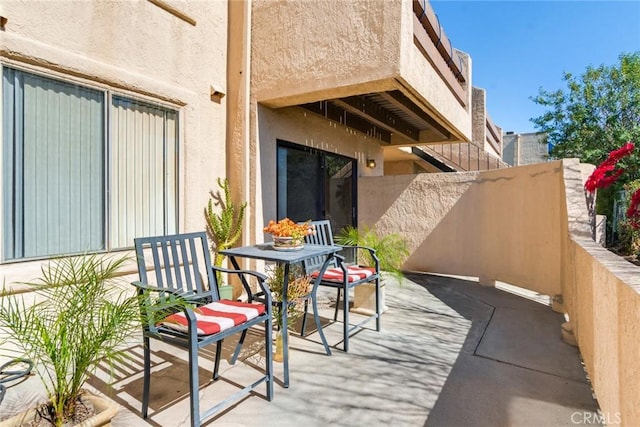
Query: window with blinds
[82, 169]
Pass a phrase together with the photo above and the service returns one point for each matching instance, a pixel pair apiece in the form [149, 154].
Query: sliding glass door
[315, 184]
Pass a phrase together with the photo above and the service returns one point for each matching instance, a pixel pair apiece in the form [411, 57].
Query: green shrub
[391, 249]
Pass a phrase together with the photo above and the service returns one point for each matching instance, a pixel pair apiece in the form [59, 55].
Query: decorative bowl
[287, 243]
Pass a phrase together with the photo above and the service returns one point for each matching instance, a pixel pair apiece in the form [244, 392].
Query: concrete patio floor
[450, 353]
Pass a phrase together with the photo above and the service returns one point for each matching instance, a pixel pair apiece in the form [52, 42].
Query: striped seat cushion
[354, 273]
[216, 316]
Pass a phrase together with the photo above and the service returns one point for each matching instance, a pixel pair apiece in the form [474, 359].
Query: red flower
[604, 175]
[633, 213]
[621, 152]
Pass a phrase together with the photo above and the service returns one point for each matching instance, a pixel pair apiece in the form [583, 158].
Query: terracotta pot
[106, 410]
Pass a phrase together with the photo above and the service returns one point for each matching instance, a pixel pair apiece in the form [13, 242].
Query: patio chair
[191, 314]
[343, 276]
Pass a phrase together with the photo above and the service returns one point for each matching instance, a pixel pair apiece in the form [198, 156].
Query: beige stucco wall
[528, 226]
[601, 294]
[465, 223]
[141, 50]
[305, 51]
[295, 125]
[417, 73]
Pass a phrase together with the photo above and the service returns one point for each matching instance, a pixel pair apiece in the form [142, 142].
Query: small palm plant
[391, 249]
[77, 320]
[224, 228]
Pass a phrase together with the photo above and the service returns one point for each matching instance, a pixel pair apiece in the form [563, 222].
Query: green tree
[595, 114]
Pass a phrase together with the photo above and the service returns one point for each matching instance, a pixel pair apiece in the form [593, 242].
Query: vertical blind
[53, 167]
[143, 185]
[64, 188]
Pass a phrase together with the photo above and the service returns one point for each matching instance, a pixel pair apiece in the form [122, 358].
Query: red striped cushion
[216, 316]
[354, 273]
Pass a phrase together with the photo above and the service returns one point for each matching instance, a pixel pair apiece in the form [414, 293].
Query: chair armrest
[262, 279]
[232, 271]
[372, 253]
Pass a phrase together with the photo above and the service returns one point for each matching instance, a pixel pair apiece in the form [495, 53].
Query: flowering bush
[606, 174]
[633, 212]
[287, 228]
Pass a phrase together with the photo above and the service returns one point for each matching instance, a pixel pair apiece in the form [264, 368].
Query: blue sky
[517, 47]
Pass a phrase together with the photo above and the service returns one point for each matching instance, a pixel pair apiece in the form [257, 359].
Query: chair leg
[216, 366]
[147, 377]
[236, 353]
[378, 308]
[345, 325]
[268, 343]
[335, 313]
[304, 318]
[194, 395]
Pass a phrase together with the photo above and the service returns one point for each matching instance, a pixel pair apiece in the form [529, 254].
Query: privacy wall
[528, 226]
[497, 225]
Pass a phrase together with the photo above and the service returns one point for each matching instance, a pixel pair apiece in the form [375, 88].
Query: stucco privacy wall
[497, 225]
[444, 218]
[601, 295]
[142, 50]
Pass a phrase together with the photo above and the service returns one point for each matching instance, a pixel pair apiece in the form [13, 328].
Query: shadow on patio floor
[450, 353]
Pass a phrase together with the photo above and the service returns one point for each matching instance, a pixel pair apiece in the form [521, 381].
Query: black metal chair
[177, 265]
[343, 276]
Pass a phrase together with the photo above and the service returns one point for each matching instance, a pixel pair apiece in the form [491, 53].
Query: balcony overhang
[389, 116]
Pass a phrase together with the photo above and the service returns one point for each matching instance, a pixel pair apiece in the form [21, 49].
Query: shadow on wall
[528, 226]
[497, 225]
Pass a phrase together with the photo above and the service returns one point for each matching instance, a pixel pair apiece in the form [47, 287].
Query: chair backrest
[177, 262]
[323, 236]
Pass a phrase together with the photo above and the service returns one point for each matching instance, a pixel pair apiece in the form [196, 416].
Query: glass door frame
[311, 150]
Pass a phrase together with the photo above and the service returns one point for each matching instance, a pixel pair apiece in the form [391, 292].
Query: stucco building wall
[428, 86]
[310, 51]
[141, 50]
[295, 125]
[302, 49]
[524, 149]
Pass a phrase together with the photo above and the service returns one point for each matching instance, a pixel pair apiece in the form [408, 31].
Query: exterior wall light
[371, 163]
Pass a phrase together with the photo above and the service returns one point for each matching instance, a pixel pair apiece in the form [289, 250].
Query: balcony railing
[464, 156]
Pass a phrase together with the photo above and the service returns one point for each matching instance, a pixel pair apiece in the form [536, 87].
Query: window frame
[108, 92]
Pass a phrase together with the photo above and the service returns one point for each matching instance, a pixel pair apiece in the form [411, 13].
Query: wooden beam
[401, 101]
[374, 113]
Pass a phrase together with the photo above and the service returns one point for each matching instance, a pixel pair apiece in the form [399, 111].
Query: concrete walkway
[450, 353]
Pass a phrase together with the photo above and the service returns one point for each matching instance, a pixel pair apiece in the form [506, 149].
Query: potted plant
[391, 250]
[224, 228]
[77, 319]
[287, 234]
